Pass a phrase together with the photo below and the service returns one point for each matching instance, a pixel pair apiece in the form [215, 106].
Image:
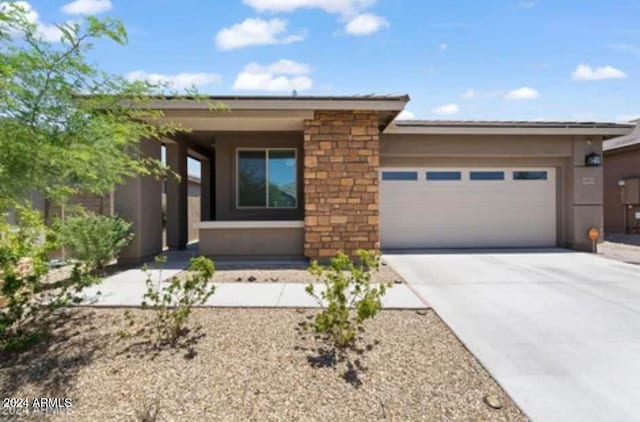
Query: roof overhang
[269, 113]
[434, 127]
[630, 141]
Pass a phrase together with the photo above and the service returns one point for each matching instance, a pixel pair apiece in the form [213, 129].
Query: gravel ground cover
[257, 365]
[294, 272]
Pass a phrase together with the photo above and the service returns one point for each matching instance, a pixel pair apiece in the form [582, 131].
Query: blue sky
[489, 59]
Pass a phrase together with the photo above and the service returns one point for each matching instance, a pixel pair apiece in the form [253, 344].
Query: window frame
[541, 179]
[416, 173]
[458, 173]
[502, 172]
[266, 173]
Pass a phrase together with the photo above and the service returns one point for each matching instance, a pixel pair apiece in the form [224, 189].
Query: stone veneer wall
[341, 159]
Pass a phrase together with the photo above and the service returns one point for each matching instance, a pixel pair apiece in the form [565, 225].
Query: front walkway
[128, 287]
[558, 330]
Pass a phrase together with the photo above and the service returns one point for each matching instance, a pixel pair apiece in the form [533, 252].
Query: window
[267, 178]
[529, 175]
[444, 175]
[487, 175]
[399, 175]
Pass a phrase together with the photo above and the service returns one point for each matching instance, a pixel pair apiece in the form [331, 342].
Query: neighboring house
[307, 176]
[622, 181]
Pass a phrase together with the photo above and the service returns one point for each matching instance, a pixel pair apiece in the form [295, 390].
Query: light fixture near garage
[593, 160]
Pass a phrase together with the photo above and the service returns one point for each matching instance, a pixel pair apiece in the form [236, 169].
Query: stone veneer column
[341, 159]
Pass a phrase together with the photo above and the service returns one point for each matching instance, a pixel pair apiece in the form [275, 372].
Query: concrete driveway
[559, 330]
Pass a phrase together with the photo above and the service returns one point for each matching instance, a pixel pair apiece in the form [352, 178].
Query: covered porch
[277, 173]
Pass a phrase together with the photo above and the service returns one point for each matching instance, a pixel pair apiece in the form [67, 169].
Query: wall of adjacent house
[578, 190]
[619, 164]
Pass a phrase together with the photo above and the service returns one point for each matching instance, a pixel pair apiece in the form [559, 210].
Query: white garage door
[467, 207]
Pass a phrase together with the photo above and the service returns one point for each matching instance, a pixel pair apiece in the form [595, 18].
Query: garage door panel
[468, 213]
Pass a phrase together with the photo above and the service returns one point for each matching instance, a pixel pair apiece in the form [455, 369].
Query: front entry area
[464, 207]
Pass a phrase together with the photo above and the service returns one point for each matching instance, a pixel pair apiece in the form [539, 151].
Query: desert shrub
[94, 240]
[26, 299]
[173, 303]
[348, 299]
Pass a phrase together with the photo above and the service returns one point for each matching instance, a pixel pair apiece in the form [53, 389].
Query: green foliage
[348, 299]
[27, 300]
[94, 240]
[67, 126]
[173, 303]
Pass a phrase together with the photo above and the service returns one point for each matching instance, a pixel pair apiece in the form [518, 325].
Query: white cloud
[350, 11]
[342, 7]
[443, 46]
[469, 94]
[587, 73]
[285, 67]
[255, 31]
[524, 93]
[283, 75]
[176, 81]
[48, 32]
[87, 7]
[366, 24]
[406, 115]
[446, 110]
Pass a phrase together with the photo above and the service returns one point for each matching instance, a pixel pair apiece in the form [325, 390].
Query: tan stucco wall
[139, 201]
[225, 174]
[579, 205]
[618, 164]
[280, 242]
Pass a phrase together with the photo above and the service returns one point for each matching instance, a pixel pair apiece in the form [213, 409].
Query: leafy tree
[66, 125]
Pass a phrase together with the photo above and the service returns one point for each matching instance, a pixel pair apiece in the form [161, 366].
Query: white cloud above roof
[280, 76]
[48, 32]
[353, 12]
[342, 7]
[255, 31]
[176, 81]
[446, 110]
[524, 93]
[406, 115]
[588, 73]
[366, 24]
[87, 7]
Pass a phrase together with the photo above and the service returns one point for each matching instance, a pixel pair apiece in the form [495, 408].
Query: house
[308, 175]
[622, 183]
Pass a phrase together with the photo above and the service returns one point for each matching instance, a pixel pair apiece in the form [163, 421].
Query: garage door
[467, 207]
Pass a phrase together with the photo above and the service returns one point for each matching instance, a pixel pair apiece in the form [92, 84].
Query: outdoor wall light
[593, 160]
[621, 182]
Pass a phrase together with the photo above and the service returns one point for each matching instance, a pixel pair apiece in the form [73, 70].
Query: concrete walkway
[558, 330]
[128, 287]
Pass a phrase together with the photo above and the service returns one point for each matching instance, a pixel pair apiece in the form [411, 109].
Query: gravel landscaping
[255, 365]
[293, 272]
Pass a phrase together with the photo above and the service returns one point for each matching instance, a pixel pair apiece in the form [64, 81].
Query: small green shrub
[26, 299]
[173, 303]
[95, 240]
[348, 299]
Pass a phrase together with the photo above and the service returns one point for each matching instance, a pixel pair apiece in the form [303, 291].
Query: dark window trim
[473, 176]
[457, 176]
[266, 152]
[399, 176]
[543, 173]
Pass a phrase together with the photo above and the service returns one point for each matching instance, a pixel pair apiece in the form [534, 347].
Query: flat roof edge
[376, 103]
